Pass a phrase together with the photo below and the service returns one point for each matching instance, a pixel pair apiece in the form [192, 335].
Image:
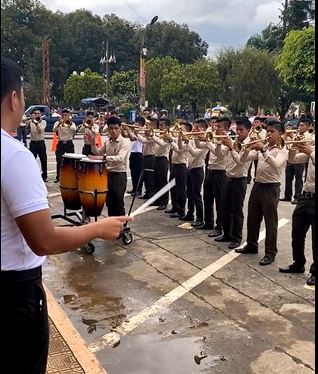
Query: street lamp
[142, 73]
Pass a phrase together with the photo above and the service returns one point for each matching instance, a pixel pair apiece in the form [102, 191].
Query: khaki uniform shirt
[65, 133]
[37, 131]
[301, 158]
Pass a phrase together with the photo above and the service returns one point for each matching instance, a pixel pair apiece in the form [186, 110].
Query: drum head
[90, 160]
[76, 156]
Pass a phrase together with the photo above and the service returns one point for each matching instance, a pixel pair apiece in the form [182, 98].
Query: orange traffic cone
[99, 142]
[54, 142]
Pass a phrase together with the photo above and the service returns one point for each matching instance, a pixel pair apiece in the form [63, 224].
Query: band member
[161, 164]
[101, 121]
[235, 189]
[88, 127]
[179, 161]
[257, 126]
[264, 196]
[65, 130]
[115, 152]
[37, 144]
[213, 189]
[22, 132]
[304, 215]
[148, 160]
[195, 177]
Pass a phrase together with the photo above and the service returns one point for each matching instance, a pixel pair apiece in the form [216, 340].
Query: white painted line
[52, 163]
[309, 287]
[171, 297]
[51, 171]
[127, 194]
[54, 194]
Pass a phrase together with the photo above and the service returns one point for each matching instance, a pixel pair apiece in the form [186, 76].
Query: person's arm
[159, 141]
[297, 158]
[200, 144]
[45, 239]
[131, 136]
[99, 151]
[73, 128]
[275, 161]
[56, 125]
[221, 150]
[42, 125]
[249, 155]
[142, 139]
[95, 129]
[122, 153]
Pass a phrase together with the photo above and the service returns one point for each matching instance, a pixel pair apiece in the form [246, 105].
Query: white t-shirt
[22, 191]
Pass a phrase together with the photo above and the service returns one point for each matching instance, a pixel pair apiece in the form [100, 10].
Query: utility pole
[46, 72]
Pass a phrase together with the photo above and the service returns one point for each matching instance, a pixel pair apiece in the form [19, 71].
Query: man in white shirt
[27, 236]
[304, 215]
[37, 144]
[264, 197]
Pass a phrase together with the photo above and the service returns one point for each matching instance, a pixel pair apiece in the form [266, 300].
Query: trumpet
[186, 136]
[242, 146]
[65, 123]
[255, 132]
[311, 129]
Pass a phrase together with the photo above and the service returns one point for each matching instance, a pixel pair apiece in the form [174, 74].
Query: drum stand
[82, 219]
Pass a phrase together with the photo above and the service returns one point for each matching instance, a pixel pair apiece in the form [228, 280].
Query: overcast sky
[218, 22]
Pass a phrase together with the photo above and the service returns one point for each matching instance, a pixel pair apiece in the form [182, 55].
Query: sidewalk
[68, 353]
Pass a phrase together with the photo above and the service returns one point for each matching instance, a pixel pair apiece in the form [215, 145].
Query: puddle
[145, 354]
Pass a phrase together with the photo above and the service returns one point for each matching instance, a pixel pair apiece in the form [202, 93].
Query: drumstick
[156, 196]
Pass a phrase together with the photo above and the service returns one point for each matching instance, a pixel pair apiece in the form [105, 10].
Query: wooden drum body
[92, 185]
[69, 182]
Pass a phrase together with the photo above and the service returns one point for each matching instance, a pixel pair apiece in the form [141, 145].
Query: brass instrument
[254, 133]
[289, 134]
[37, 120]
[65, 122]
[311, 129]
[186, 136]
[243, 146]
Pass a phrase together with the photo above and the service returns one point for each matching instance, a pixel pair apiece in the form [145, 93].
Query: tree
[124, 82]
[296, 62]
[155, 70]
[192, 84]
[78, 87]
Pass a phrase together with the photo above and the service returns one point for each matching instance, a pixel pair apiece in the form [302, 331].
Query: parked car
[51, 118]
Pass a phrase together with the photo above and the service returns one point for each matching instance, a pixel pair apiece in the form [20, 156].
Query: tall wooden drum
[92, 185]
[69, 182]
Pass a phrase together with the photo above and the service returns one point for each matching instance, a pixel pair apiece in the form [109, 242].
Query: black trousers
[303, 218]
[117, 184]
[148, 176]
[62, 147]
[263, 203]
[87, 150]
[213, 190]
[161, 178]
[291, 171]
[178, 193]
[22, 134]
[38, 148]
[135, 165]
[233, 216]
[195, 178]
[25, 329]
[249, 173]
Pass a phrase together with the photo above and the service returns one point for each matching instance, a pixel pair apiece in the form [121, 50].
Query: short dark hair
[89, 113]
[225, 120]
[165, 120]
[246, 123]
[201, 121]
[11, 77]
[187, 125]
[141, 120]
[155, 120]
[212, 117]
[65, 110]
[307, 121]
[257, 118]
[113, 120]
[113, 113]
[277, 125]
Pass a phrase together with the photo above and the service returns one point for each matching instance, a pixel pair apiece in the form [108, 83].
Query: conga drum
[92, 185]
[69, 182]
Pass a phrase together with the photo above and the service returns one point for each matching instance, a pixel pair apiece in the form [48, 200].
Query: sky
[221, 23]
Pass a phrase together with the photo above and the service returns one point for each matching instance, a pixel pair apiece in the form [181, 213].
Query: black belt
[307, 195]
[216, 171]
[149, 156]
[231, 179]
[265, 185]
[65, 141]
[37, 141]
[21, 276]
[116, 172]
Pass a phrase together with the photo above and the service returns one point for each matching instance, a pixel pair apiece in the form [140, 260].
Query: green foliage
[249, 79]
[124, 82]
[78, 87]
[296, 62]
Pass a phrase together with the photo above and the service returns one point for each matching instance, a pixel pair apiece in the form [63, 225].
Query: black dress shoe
[295, 201]
[266, 260]
[247, 250]
[206, 226]
[171, 210]
[162, 207]
[154, 204]
[56, 180]
[222, 239]
[233, 245]
[215, 233]
[311, 280]
[176, 215]
[197, 224]
[285, 199]
[187, 218]
[293, 268]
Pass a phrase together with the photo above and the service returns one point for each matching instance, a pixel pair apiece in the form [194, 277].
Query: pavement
[176, 302]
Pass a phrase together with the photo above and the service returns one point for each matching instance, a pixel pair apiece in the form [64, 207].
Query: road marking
[186, 226]
[171, 297]
[51, 172]
[309, 287]
[54, 194]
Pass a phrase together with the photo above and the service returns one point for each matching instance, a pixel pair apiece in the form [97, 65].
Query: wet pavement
[242, 319]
